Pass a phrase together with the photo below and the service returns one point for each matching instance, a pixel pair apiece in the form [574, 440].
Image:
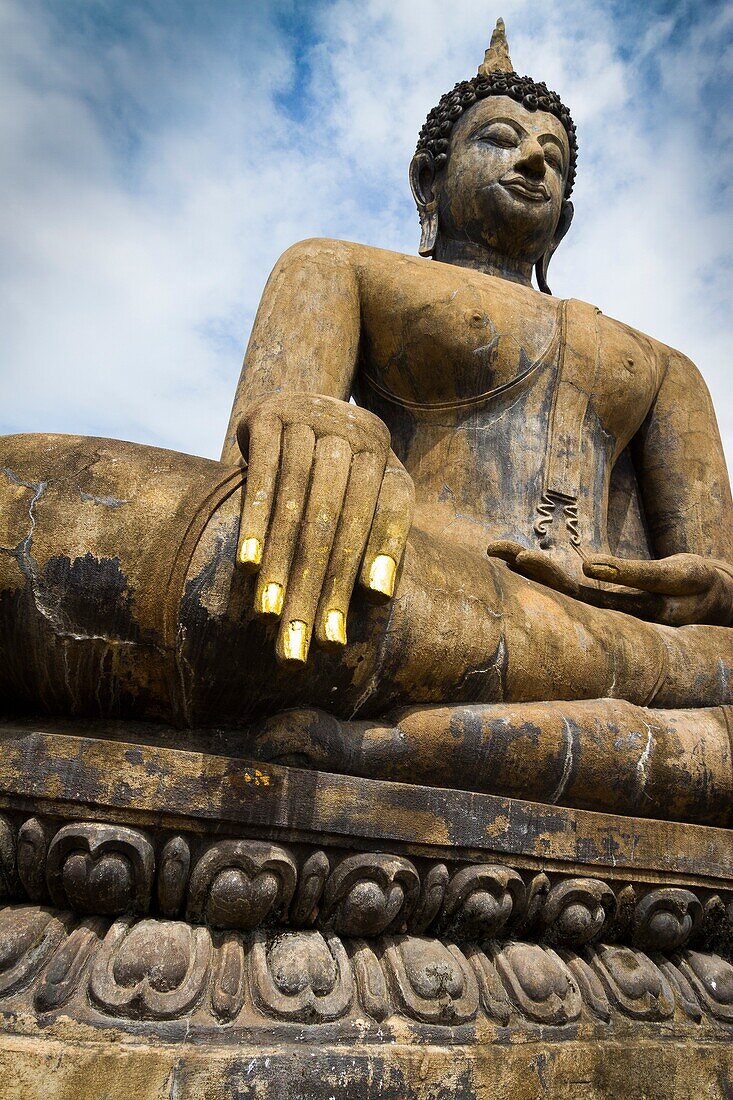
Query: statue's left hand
[680, 589]
[677, 590]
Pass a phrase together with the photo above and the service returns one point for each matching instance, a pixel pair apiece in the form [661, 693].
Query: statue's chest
[625, 374]
[463, 343]
[446, 342]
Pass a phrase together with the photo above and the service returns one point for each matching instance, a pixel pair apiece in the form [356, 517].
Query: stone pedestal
[180, 921]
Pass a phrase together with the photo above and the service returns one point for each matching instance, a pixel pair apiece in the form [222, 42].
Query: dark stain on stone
[94, 595]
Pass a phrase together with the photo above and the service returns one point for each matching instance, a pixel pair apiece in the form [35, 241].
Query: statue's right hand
[325, 501]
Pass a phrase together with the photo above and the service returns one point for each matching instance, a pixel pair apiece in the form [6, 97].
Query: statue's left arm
[686, 494]
[681, 468]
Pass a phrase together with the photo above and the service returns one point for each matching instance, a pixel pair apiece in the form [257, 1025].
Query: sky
[158, 156]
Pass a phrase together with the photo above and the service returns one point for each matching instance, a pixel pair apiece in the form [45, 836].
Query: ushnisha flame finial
[496, 59]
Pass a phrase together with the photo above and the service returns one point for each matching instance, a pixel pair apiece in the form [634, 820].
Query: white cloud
[151, 180]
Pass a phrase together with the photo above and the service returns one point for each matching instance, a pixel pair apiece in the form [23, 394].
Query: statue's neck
[482, 258]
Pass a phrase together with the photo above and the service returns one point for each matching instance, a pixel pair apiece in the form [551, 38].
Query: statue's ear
[422, 182]
[563, 224]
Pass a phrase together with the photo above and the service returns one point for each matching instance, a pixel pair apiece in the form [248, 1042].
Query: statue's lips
[538, 193]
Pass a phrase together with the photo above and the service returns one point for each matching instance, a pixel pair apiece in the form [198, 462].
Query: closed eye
[553, 156]
[500, 134]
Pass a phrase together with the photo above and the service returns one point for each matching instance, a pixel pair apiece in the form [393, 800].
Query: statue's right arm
[326, 501]
[305, 337]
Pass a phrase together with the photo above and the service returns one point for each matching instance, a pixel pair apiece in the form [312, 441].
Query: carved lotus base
[177, 923]
[187, 1011]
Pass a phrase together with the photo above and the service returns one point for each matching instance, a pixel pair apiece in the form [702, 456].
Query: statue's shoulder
[362, 255]
[378, 272]
[614, 331]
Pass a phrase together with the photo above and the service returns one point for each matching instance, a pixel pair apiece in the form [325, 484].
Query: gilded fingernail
[271, 599]
[296, 640]
[250, 552]
[382, 574]
[335, 627]
[604, 572]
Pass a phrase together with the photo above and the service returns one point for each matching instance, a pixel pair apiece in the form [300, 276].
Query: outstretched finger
[298, 446]
[679, 575]
[390, 528]
[367, 470]
[329, 478]
[506, 550]
[538, 566]
[261, 442]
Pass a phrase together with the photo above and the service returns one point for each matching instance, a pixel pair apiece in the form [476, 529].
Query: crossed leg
[120, 594]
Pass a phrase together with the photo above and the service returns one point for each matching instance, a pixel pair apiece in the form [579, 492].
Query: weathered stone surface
[52, 1070]
[134, 772]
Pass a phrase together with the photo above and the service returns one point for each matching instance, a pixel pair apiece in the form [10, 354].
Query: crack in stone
[644, 758]
[29, 568]
[567, 765]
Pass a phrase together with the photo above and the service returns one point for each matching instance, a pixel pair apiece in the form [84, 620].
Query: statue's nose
[531, 158]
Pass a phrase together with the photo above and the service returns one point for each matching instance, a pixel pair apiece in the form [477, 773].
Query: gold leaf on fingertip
[295, 645]
[382, 574]
[250, 552]
[271, 599]
[335, 627]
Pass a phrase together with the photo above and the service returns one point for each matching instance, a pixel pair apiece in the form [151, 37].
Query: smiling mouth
[534, 192]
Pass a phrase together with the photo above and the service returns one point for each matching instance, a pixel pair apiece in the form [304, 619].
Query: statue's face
[505, 178]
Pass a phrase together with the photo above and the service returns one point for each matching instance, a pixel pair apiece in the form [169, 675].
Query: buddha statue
[462, 532]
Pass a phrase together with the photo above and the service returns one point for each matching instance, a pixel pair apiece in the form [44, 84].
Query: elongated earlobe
[428, 233]
[566, 216]
[422, 178]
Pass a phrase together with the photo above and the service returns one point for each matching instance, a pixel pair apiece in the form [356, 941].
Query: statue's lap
[127, 600]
